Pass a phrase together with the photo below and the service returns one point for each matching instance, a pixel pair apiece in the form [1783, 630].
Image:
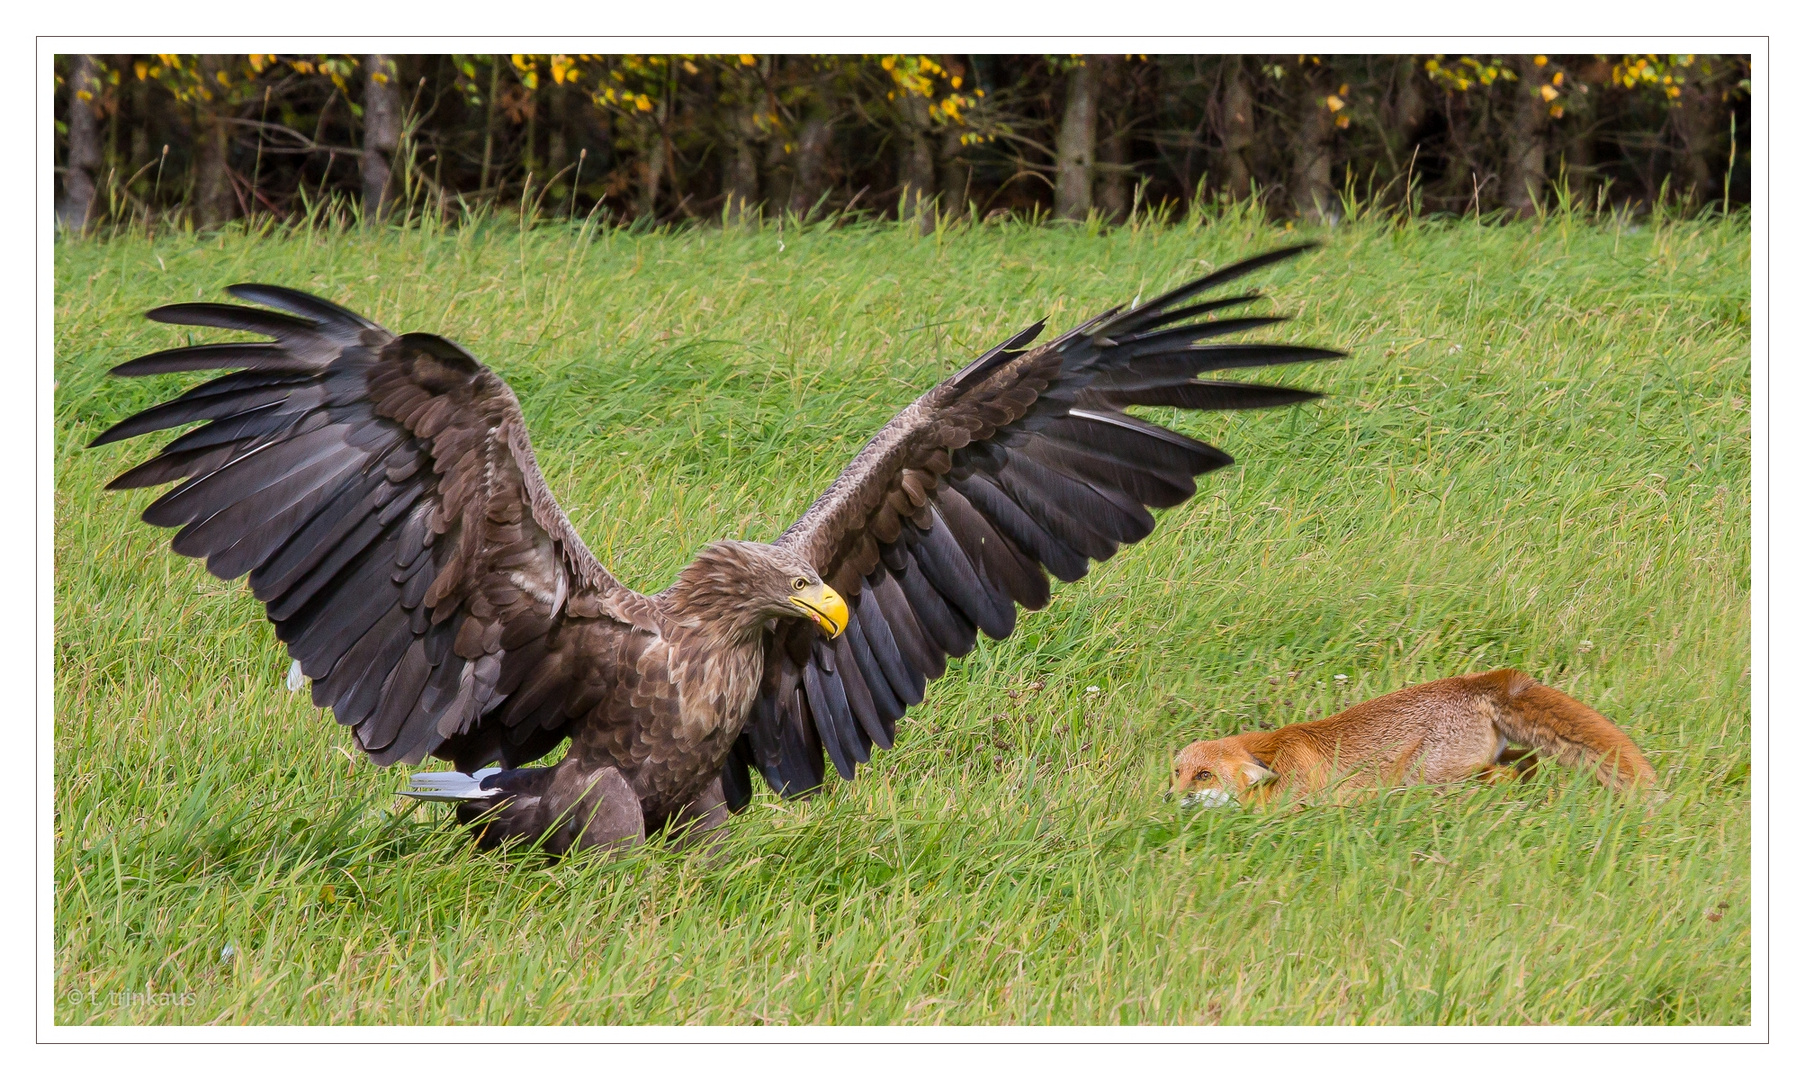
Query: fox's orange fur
[1434, 732]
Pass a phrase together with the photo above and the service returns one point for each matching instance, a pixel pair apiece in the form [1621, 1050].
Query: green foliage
[673, 136]
[1537, 455]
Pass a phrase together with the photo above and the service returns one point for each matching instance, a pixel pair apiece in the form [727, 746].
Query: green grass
[1538, 455]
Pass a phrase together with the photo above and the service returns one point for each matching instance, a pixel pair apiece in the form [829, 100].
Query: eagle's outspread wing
[1024, 463]
[381, 492]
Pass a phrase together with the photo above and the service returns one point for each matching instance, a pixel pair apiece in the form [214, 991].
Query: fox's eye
[1202, 774]
[799, 584]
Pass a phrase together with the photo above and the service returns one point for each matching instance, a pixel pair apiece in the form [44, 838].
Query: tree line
[203, 140]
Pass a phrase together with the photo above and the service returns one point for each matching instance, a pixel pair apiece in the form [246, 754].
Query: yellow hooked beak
[825, 607]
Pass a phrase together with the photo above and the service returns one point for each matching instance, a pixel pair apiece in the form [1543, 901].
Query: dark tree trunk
[1237, 129]
[739, 165]
[579, 141]
[557, 138]
[116, 122]
[489, 120]
[215, 203]
[1114, 184]
[567, 154]
[1579, 162]
[140, 146]
[652, 164]
[84, 144]
[779, 175]
[955, 174]
[529, 141]
[1409, 110]
[1076, 148]
[1526, 142]
[1696, 117]
[915, 164]
[651, 171]
[382, 135]
[810, 161]
[1312, 190]
[739, 180]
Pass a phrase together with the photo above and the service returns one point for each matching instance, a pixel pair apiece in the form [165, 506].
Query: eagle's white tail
[450, 786]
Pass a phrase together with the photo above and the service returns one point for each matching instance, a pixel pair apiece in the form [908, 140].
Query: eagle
[382, 494]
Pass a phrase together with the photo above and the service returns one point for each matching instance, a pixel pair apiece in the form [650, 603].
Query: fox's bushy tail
[1569, 731]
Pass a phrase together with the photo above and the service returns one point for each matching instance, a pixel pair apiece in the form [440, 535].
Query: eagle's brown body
[381, 492]
[672, 701]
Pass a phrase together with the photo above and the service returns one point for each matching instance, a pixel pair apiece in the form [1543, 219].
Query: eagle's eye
[799, 584]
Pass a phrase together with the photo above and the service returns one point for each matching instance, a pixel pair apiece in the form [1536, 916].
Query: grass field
[1537, 455]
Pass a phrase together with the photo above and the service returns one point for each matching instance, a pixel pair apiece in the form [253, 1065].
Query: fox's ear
[1256, 774]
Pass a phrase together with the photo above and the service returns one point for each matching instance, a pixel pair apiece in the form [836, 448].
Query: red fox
[1434, 732]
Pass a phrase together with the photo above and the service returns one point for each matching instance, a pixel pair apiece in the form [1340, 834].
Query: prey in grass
[382, 494]
[1435, 732]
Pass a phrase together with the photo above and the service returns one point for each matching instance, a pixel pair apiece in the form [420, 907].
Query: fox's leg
[1523, 761]
[564, 807]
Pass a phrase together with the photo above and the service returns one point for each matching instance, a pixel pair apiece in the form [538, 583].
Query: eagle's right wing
[1024, 464]
[382, 494]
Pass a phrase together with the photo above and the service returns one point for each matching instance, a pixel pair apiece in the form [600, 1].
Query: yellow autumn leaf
[1549, 93]
[748, 59]
[1334, 103]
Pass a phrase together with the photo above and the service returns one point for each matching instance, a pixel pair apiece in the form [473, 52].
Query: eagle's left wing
[381, 493]
[1023, 464]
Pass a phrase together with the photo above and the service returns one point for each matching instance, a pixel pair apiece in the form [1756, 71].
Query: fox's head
[1213, 771]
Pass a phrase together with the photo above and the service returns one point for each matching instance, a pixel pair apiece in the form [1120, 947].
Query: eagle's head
[738, 585]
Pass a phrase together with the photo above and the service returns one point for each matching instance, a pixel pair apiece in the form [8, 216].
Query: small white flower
[1341, 678]
[1091, 690]
[1585, 645]
[226, 954]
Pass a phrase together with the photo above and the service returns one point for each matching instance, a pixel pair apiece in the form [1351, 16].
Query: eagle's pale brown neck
[718, 596]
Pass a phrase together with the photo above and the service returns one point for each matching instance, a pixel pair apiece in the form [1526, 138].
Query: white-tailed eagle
[381, 493]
